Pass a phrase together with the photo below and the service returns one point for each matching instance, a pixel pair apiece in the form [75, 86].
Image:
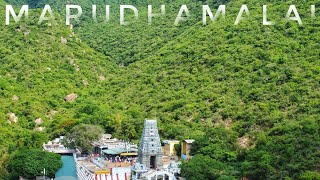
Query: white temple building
[150, 165]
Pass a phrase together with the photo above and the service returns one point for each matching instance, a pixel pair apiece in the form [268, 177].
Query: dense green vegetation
[82, 136]
[249, 94]
[29, 163]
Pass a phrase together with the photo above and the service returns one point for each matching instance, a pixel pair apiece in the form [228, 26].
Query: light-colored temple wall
[150, 144]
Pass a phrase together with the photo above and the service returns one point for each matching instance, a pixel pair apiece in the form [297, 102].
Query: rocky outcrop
[85, 82]
[243, 142]
[39, 129]
[38, 121]
[15, 98]
[12, 118]
[51, 113]
[63, 40]
[26, 33]
[71, 97]
[102, 78]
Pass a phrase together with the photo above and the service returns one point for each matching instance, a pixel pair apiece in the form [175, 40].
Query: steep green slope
[246, 72]
[38, 70]
[260, 82]
[127, 44]
[249, 94]
[134, 42]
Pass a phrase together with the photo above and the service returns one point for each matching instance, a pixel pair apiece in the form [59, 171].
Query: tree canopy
[29, 163]
[82, 136]
[248, 93]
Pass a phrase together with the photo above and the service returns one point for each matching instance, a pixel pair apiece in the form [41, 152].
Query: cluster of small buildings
[113, 158]
[56, 146]
[107, 146]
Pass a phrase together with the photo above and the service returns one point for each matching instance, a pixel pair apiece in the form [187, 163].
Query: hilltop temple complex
[117, 159]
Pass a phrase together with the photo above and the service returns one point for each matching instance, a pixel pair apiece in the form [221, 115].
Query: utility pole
[44, 173]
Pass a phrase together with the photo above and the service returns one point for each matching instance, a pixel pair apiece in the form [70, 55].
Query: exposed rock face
[51, 113]
[77, 68]
[86, 83]
[40, 129]
[243, 142]
[102, 78]
[13, 118]
[71, 97]
[63, 40]
[15, 98]
[38, 121]
[26, 33]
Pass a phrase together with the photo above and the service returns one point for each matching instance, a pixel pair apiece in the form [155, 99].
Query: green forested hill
[37, 72]
[249, 94]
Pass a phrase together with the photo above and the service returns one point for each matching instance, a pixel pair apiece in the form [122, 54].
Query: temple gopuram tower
[150, 151]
